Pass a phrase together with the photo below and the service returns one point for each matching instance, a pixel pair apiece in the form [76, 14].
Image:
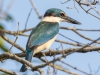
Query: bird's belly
[45, 45]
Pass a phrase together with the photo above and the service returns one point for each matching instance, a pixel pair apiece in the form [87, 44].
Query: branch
[23, 61]
[15, 39]
[93, 3]
[68, 28]
[29, 29]
[35, 9]
[8, 72]
[74, 68]
[12, 56]
[21, 33]
[14, 32]
[74, 44]
[74, 30]
[58, 67]
[53, 52]
[9, 41]
[70, 39]
[7, 9]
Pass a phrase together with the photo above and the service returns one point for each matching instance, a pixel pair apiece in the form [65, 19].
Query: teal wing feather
[42, 33]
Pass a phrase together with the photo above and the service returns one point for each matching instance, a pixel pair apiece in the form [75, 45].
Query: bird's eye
[62, 14]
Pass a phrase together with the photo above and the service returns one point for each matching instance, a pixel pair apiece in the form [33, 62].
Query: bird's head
[57, 15]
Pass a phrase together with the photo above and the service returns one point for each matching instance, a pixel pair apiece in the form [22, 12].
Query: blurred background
[14, 11]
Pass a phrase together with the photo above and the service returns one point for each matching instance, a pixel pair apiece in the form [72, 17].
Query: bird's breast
[45, 45]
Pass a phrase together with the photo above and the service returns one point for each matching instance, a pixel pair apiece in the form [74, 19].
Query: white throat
[52, 19]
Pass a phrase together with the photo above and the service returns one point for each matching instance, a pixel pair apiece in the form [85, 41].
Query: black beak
[70, 20]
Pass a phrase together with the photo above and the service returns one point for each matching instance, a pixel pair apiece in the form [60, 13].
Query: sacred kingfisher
[45, 33]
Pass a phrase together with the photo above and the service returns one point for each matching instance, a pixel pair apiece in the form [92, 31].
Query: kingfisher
[45, 33]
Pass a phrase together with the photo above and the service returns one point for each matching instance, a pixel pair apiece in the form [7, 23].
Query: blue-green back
[42, 33]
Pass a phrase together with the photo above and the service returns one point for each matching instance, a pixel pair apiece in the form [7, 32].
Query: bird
[45, 33]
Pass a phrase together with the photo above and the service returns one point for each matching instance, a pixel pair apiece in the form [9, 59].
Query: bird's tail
[29, 55]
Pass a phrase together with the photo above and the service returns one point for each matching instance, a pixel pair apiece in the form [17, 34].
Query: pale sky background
[20, 11]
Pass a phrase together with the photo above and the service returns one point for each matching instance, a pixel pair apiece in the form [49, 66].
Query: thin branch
[53, 52]
[68, 28]
[75, 68]
[14, 32]
[89, 9]
[68, 51]
[75, 6]
[70, 39]
[29, 29]
[7, 9]
[89, 13]
[1, 6]
[21, 33]
[59, 67]
[90, 68]
[13, 44]
[65, 2]
[80, 4]
[28, 18]
[9, 41]
[54, 69]
[8, 72]
[32, 3]
[15, 39]
[57, 59]
[69, 43]
[85, 37]
[97, 70]
[95, 9]
[23, 61]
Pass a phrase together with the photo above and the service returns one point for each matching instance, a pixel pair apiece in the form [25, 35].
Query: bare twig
[54, 69]
[85, 37]
[69, 43]
[15, 39]
[58, 67]
[9, 41]
[12, 56]
[90, 68]
[89, 13]
[23, 61]
[70, 39]
[32, 3]
[1, 6]
[65, 2]
[48, 70]
[97, 70]
[53, 52]
[68, 28]
[8, 72]
[7, 9]
[93, 3]
[75, 6]
[28, 18]
[62, 27]
[74, 68]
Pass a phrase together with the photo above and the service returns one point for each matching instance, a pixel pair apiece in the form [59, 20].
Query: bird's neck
[51, 19]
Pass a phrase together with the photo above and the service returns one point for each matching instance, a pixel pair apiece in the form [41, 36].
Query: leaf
[1, 26]
[8, 18]
[2, 45]
[3, 74]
